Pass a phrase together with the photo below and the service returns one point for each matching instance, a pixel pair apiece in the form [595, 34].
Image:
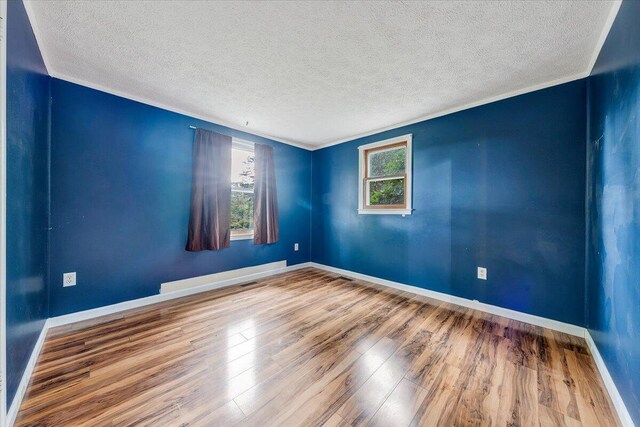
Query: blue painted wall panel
[27, 193]
[121, 185]
[500, 186]
[613, 241]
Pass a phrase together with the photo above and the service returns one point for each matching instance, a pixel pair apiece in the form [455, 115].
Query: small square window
[385, 176]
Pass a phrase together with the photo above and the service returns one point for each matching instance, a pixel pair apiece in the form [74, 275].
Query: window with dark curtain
[209, 219]
[265, 214]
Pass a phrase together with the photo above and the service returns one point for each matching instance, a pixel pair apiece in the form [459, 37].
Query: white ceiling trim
[615, 7]
[458, 109]
[53, 73]
[152, 103]
[37, 33]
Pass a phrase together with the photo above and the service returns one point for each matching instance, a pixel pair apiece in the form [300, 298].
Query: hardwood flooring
[311, 348]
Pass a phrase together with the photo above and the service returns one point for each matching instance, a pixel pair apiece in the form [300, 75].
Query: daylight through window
[242, 179]
[385, 173]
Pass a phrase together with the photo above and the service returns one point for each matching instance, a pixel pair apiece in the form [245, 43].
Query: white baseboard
[618, 403]
[512, 314]
[141, 302]
[127, 305]
[193, 282]
[26, 376]
[555, 325]
[477, 305]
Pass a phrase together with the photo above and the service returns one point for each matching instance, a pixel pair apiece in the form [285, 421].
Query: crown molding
[615, 7]
[37, 33]
[613, 12]
[146, 101]
[61, 76]
[458, 109]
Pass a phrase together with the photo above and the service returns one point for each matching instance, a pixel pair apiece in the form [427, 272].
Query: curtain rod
[237, 140]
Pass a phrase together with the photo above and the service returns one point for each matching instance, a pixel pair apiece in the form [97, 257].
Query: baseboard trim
[141, 302]
[618, 403]
[555, 325]
[579, 331]
[26, 376]
[123, 306]
[194, 282]
[474, 304]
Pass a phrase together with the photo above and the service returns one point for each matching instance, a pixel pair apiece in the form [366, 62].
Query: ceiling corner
[613, 12]
[38, 34]
[191, 114]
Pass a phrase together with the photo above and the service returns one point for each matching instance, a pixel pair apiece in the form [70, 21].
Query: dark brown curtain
[265, 204]
[209, 221]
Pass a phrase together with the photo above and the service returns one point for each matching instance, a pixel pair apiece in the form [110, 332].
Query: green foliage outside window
[241, 211]
[387, 163]
[387, 192]
[242, 199]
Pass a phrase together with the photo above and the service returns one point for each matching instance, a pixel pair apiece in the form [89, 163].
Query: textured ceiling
[317, 73]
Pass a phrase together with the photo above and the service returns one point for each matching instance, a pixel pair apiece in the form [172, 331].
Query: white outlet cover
[295, 247]
[482, 273]
[69, 279]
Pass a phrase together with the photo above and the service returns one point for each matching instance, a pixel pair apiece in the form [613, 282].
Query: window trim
[244, 236]
[363, 154]
[243, 145]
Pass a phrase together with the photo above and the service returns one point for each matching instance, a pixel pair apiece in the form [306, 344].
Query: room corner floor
[310, 348]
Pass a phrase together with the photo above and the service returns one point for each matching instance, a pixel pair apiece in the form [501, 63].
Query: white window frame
[362, 209]
[241, 144]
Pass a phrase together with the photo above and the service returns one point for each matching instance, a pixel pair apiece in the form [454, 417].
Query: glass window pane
[242, 169]
[241, 212]
[242, 180]
[386, 192]
[387, 162]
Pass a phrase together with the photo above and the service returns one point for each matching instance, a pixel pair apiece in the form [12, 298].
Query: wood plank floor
[311, 348]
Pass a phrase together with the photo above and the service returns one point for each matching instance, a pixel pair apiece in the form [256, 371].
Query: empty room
[320, 213]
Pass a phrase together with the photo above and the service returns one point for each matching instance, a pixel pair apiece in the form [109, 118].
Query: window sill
[402, 212]
[241, 237]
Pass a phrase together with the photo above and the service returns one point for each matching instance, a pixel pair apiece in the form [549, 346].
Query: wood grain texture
[309, 348]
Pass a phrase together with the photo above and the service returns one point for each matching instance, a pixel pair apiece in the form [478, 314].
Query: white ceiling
[318, 73]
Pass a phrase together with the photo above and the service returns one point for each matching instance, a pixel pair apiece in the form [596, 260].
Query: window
[242, 179]
[385, 177]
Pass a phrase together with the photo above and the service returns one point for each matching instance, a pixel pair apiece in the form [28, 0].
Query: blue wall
[613, 205]
[121, 184]
[500, 186]
[27, 193]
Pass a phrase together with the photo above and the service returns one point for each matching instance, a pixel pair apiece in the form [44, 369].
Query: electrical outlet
[69, 279]
[295, 247]
[482, 273]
